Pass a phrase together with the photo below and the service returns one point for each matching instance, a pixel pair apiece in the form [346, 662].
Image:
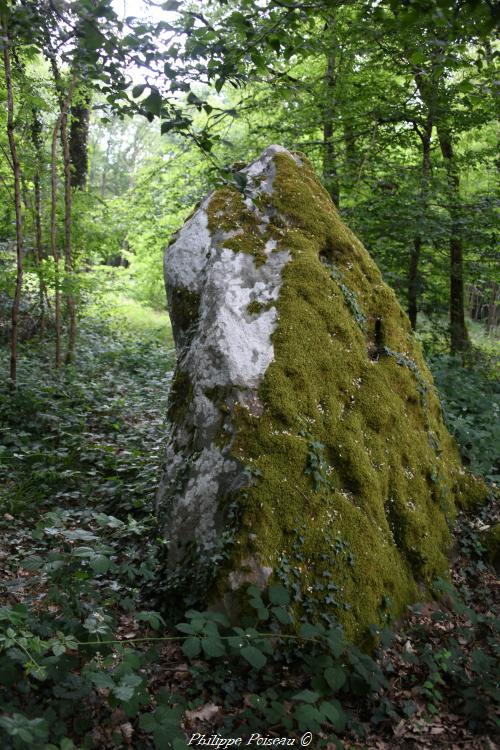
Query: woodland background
[116, 119]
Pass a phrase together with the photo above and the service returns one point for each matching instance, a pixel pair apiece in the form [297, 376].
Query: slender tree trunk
[16, 169]
[330, 170]
[492, 308]
[435, 97]
[53, 219]
[459, 338]
[53, 242]
[68, 254]
[413, 279]
[78, 143]
[36, 130]
[351, 154]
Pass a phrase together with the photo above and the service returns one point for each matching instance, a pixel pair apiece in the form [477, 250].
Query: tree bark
[413, 279]
[53, 218]
[16, 169]
[78, 143]
[435, 99]
[36, 131]
[68, 252]
[351, 154]
[459, 338]
[330, 170]
[492, 308]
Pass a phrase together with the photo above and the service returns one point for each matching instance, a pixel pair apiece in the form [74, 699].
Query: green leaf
[153, 102]
[191, 647]
[102, 680]
[126, 689]
[308, 717]
[279, 595]
[138, 90]
[335, 677]
[308, 696]
[32, 563]
[336, 643]
[213, 647]
[185, 627]
[123, 692]
[334, 714]
[254, 657]
[417, 57]
[100, 563]
[152, 618]
[308, 630]
[281, 615]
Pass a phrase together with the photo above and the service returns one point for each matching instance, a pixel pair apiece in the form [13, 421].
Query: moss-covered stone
[343, 473]
[491, 541]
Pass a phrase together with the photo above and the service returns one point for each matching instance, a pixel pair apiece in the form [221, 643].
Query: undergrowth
[87, 662]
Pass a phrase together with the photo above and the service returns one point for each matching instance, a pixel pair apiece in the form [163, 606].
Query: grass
[137, 318]
[112, 299]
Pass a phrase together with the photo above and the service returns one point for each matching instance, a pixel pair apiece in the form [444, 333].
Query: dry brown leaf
[400, 729]
[437, 730]
[182, 675]
[203, 713]
[127, 731]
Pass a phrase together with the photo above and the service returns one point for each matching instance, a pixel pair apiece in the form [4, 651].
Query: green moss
[254, 308]
[491, 542]
[181, 394]
[184, 311]
[379, 443]
[228, 214]
[473, 491]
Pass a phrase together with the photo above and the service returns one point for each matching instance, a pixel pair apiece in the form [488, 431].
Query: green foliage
[317, 466]
[79, 644]
[471, 399]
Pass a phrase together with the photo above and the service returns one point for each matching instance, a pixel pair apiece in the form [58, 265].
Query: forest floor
[87, 662]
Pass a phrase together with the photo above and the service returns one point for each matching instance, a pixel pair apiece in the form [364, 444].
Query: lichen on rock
[306, 440]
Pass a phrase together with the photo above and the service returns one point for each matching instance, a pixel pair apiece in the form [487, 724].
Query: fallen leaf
[127, 731]
[204, 713]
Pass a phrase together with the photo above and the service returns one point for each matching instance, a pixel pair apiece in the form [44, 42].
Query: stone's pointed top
[266, 161]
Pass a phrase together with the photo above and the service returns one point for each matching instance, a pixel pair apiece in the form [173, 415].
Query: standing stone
[306, 439]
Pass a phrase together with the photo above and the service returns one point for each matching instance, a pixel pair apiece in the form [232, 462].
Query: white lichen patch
[230, 346]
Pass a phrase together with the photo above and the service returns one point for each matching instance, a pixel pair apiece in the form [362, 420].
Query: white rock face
[223, 352]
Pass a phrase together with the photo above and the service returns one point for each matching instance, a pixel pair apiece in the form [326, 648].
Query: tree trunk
[459, 338]
[413, 280]
[330, 171]
[78, 143]
[16, 169]
[53, 241]
[36, 137]
[351, 155]
[68, 253]
[435, 97]
[53, 218]
[492, 309]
